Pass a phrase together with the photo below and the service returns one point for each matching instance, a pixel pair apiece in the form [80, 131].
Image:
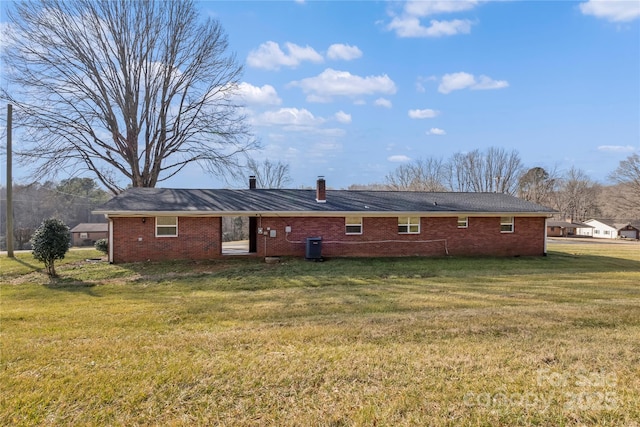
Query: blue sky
[351, 90]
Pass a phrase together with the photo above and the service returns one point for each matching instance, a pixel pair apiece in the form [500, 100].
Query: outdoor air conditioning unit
[313, 250]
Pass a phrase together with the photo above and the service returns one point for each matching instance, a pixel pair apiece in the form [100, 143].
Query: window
[166, 226]
[84, 235]
[596, 231]
[506, 224]
[463, 221]
[353, 225]
[409, 225]
[607, 232]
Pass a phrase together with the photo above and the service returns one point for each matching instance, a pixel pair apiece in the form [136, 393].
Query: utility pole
[9, 183]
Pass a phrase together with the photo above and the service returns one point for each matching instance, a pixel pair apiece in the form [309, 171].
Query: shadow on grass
[26, 264]
[591, 263]
[254, 269]
[68, 284]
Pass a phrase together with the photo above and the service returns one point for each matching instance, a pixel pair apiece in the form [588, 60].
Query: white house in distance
[605, 229]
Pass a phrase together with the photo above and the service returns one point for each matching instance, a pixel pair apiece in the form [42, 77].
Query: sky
[352, 90]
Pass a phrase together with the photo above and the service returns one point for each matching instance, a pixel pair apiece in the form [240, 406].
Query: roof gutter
[114, 214]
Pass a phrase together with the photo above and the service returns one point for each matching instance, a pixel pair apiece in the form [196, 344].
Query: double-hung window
[408, 225]
[166, 226]
[353, 225]
[506, 224]
[463, 222]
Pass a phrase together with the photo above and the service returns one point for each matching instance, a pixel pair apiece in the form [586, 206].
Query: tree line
[70, 200]
[572, 193]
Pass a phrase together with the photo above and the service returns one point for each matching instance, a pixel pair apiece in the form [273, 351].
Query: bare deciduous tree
[577, 196]
[420, 175]
[495, 170]
[269, 174]
[627, 175]
[131, 90]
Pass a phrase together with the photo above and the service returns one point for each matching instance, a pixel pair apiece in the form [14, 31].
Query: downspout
[544, 253]
[110, 245]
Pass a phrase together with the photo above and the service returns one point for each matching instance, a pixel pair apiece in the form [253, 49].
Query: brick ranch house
[86, 234]
[165, 224]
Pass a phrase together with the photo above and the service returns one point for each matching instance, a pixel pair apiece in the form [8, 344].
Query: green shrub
[50, 242]
[102, 245]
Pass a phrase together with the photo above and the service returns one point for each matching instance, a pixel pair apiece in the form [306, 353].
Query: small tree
[51, 242]
[102, 245]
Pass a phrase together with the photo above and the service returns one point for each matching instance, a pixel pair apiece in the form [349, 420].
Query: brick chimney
[252, 182]
[321, 190]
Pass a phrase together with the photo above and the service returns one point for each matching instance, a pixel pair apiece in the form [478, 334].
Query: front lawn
[407, 341]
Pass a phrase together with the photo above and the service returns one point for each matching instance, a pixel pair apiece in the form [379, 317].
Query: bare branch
[130, 90]
[269, 174]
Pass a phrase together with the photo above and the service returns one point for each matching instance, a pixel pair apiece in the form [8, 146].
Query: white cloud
[423, 114]
[332, 83]
[485, 83]
[399, 158]
[265, 95]
[269, 56]
[410, 26]
[612, 10]
[617, 148]
[408, 23]
[426, 8]
[459, 81]
[344, 52]
[455, 81]
[289, 117]
[436, 131]
[343, 117]
[420, 83]
[382, 102]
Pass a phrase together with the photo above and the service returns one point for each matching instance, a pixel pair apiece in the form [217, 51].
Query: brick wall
[200, 238]
[89, 240]
[380, 237]
[134, 240]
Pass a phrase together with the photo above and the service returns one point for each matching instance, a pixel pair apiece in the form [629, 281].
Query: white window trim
[167, 226]
[347, 224]
[466, 222]
[408, 224]
[511, 222]
[84, 235]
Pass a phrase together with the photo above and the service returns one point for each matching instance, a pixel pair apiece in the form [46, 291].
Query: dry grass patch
[521, 341]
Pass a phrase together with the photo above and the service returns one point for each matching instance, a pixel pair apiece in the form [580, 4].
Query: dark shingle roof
[566, 224]
[86, 227]
[263, 201]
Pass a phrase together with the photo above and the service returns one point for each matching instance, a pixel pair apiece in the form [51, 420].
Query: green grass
[450, 341]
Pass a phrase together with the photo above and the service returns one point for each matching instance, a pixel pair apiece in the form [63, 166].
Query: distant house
[608, 229]
[564, 228]
[162, 224]
[86, 234]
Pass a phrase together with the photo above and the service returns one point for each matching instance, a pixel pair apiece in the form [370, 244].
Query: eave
[137, 214]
